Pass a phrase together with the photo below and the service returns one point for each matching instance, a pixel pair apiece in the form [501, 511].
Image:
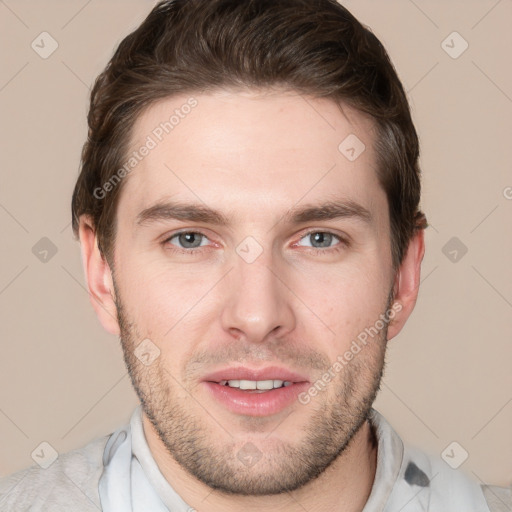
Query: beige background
[62, 379]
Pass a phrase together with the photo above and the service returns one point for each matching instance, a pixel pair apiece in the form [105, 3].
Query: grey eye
[320, 239]
[188, 240]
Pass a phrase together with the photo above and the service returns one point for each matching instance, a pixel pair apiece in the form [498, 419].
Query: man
[248, 216]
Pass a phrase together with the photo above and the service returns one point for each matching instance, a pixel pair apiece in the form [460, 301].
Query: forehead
[242, 152]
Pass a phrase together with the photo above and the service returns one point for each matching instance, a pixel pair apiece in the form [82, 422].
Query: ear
[407, 282]
[98, 276]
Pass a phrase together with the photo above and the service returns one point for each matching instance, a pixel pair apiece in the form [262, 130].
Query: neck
[343, 486]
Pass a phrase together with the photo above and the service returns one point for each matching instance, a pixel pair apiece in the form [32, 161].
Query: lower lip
[256, 404]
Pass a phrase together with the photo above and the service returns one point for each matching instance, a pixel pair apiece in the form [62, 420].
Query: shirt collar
[390, 453]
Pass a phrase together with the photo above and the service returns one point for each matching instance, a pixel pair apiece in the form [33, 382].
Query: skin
[254, 156]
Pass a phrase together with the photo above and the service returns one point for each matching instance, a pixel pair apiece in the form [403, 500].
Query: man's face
[265, 297]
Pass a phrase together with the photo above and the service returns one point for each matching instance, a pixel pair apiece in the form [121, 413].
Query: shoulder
[499, 499]
[455, 487]
[70, 483]
[424, 481]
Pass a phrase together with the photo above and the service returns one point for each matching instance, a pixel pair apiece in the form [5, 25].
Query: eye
[323, 240]
[187, 240]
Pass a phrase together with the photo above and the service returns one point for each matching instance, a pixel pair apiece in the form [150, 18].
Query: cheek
[153, 296]
[173, 305]
[347, 300]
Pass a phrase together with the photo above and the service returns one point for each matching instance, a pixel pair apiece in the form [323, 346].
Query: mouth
[249, 392]
[256, 386]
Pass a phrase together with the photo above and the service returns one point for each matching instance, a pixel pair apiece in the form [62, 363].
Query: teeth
[245, 384]
[264, 385]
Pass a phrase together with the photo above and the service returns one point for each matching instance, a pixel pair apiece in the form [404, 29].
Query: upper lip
[244, 373]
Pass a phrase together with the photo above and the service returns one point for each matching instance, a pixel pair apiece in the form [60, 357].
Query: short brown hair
[313, 47]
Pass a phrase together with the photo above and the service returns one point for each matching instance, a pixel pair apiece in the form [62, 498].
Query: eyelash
[335, 249]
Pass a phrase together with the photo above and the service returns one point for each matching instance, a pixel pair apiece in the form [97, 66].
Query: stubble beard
[189, 434]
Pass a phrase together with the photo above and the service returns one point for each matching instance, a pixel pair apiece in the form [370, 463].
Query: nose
[257, 301]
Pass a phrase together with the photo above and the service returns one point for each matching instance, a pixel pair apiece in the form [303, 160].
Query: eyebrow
[195, 212]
